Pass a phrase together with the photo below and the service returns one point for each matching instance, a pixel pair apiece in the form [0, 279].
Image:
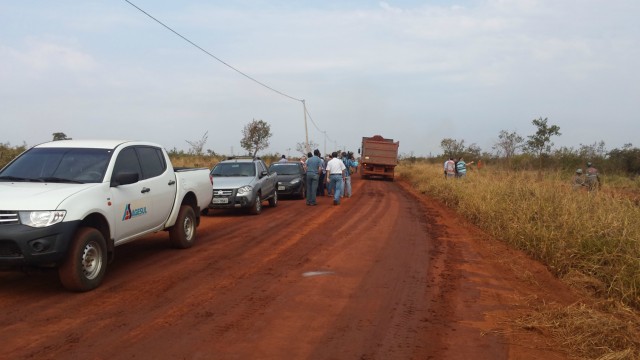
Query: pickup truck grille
[8, 217]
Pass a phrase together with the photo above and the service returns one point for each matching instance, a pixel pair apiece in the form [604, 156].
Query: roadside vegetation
[589, 239]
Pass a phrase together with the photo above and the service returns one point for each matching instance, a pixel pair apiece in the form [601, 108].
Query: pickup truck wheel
[183, 233]
[256, 209]
[273, 202]
[86, 262]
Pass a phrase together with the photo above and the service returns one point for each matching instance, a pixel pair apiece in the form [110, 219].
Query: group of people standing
[331, 174]
[455, 168]
[590, 180]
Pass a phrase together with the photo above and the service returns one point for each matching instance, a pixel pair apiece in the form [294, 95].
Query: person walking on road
[322, 176]
[347, 159]
[314, 167]
[335, 176]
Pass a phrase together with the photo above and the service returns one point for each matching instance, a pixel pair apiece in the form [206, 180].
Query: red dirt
[388, 274]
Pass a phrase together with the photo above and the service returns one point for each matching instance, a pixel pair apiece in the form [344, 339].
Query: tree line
[536, 151]
[510, 151]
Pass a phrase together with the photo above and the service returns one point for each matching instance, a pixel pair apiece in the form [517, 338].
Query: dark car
[291, 178]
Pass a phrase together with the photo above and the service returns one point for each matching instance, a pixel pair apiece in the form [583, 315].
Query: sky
[414, 71]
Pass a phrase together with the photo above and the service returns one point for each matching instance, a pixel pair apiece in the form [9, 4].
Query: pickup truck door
[144, 205]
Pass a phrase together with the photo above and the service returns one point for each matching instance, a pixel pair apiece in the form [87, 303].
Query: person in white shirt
[335, 176]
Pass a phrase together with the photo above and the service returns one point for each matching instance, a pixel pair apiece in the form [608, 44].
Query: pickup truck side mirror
[124, 178]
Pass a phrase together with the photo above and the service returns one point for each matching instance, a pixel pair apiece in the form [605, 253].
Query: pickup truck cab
[69, 203]
[243, 183]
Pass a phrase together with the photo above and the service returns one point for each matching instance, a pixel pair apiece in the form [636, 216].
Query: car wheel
[273, 202]
[183, 233]
[256, 209]
[303, 192]
[86, 262]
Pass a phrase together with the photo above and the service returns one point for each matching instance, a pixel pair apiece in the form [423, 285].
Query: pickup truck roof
[90, 144]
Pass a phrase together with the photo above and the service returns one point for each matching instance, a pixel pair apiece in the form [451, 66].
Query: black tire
[256, 208]
[183, 233]
[86, 262]
[303, 192]
[273, 202]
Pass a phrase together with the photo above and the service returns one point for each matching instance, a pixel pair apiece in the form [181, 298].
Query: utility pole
[306, 131]
[324, 151]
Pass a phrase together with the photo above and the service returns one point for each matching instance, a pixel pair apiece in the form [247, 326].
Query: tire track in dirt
[385, 275]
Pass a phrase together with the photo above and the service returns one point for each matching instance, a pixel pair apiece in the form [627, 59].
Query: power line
[210, 54]
[226, 64]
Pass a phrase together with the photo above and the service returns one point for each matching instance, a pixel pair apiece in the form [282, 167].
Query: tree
[508, 144]
[255, 136]
[60, 136]
[540, 142]
[197, 146]
[452, 148]
[301, 147]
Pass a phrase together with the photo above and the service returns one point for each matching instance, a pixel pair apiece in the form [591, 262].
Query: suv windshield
[72, 165]
[285, 169]
[234, 169]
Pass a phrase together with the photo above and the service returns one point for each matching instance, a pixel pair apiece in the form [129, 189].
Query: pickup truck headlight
[41, 218]
[245, 190]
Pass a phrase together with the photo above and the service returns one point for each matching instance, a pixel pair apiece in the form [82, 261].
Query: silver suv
[243, 183]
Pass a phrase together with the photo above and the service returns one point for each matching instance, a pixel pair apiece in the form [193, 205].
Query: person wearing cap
[578, 180]
[593, 178]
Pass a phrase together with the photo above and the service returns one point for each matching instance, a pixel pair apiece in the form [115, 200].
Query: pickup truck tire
[86, 263]
[256, 208]
[273, 202]
[183, 234]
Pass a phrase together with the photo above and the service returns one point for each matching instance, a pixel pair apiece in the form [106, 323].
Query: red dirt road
[387, 274]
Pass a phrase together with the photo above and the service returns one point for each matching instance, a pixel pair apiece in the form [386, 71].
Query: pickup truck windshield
[72, 165]
[234, 169]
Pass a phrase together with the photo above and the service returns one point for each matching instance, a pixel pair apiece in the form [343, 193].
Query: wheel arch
[191, 200]
[100, 223]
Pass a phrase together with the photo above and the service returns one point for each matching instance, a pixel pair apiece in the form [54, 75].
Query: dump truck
[378, 157]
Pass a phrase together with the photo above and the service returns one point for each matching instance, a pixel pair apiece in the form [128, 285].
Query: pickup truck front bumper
[22, 245]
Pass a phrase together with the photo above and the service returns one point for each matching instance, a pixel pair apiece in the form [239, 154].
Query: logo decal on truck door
[133, 211]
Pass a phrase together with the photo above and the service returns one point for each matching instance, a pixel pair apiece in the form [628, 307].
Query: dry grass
[592, 240]
[593, 332]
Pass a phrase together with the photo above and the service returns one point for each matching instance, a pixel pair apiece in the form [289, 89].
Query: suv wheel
[273, 202]
[256, 209]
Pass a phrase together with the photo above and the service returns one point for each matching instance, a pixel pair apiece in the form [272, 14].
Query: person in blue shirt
[347, 159]
[314, 168]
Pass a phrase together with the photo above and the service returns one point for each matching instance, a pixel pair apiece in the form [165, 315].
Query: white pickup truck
[69, 203]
